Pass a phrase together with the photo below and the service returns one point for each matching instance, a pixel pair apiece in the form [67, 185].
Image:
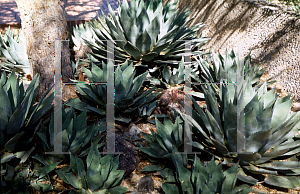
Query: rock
[129, 160]
[134, 130]
[169, 99]
[278, 89]
[146, 184]
[145, 127]
[295, 107]
[135, 179]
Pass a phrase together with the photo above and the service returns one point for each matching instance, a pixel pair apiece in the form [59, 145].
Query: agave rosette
[126, 88]
[205, 180]
[147, 33]
[13, 52]
[269, 132]
[169, 137]
[20, 119]
[98, 176]
[76, 135]
[217, 69]
[26, 177]
[19, 115]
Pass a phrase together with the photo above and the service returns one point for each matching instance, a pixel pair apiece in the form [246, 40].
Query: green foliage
[13, 52]
[175, 77]
[126, 88]
[20, 119]
[23, 178]
[101, 176]
[169, 137]
[19, 116]
[205, 180]
[146, 33]
[269, 132]
[219, 69]
[75, 134]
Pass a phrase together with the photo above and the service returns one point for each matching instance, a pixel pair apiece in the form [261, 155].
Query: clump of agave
[146, 33]
[100, 175]
[269, 132]
[205, 180]
[13, 53]
[126, 88]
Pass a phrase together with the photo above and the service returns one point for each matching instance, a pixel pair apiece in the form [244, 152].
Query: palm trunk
[43, 21]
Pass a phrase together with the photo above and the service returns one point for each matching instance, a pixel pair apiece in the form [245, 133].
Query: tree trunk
[43, 21]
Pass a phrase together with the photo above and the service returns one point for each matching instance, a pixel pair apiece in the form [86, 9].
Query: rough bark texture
[43, 21]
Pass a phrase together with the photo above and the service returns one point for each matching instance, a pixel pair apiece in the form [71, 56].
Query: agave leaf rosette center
[265, 134]
[126, 88]
[147, 33]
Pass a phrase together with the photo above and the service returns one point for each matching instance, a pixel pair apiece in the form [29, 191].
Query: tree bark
[43, 21]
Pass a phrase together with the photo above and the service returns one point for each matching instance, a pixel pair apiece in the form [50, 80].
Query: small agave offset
[98, 176]
[126, 88]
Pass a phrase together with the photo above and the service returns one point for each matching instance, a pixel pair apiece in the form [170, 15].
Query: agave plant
[19, 121]
[100, 176]
[169, 137]
[25, 177]
[13, 52]
[76, 136]
[205, 180]
[146, 33]
[19, 116]
[84, 31]
[217, 69]
[126, 88]
[269, 132]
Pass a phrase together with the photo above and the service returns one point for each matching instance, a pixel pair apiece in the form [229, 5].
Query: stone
[146, 127]
[169, 99]
[134, 130]
[129, 160]
[146, 184]
[295, 107]
[135, 179]
[279, 89]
